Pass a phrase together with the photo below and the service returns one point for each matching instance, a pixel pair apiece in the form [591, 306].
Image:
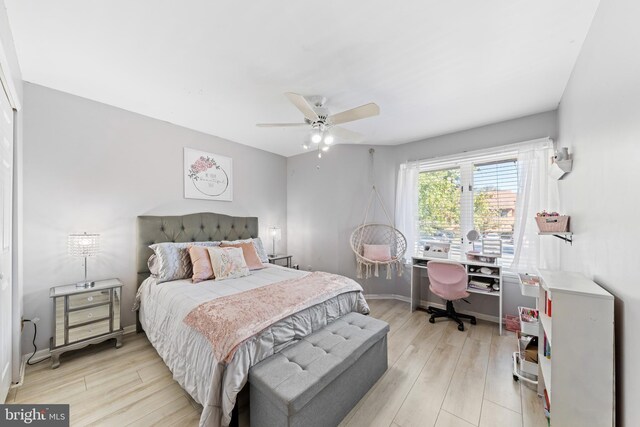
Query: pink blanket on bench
[229, 321]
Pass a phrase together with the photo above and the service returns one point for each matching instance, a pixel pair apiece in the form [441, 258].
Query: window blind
[495, 191]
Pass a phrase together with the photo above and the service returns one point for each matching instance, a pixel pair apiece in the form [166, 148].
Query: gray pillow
[173, 260]
[262, 254]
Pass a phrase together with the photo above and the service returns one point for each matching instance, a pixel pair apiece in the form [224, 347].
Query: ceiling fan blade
[280, 125]
[361, 112]
[346, 135]
[303, 105]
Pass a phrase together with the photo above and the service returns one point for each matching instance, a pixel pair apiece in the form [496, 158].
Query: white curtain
[537, 191]
[406, 214]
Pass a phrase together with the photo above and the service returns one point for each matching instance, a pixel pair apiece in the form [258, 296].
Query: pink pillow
[377, 252]
[202, 269]
[249, 252]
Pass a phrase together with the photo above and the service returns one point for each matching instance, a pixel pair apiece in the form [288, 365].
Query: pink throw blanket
[229, 321]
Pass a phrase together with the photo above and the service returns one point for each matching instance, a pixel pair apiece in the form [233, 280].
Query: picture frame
[207, 176]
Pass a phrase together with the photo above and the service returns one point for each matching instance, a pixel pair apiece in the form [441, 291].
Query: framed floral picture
[207, 176]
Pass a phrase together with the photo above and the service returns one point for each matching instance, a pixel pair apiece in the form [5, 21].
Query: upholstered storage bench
[318, 380]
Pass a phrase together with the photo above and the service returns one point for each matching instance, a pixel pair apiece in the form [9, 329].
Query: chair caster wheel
[473, 321]
[432, 320]
[461, 327]
[429, 310]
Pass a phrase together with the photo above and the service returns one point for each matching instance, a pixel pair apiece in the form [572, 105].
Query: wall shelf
[567, 236]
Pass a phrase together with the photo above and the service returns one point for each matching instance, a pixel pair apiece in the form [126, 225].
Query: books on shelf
[546, 350]
[479, 284]
[547, 303]
[547, 404]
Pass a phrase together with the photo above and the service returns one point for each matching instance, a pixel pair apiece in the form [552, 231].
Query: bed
[212, 380]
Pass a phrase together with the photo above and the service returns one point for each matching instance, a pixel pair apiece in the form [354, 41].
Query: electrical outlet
[35, 319]
[309, 267]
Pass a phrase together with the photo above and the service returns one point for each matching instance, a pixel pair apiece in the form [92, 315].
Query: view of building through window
[442, 209]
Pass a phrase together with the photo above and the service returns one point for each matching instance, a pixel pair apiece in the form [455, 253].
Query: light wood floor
[437, 376]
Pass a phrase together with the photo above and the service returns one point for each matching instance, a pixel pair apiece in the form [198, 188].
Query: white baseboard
[388, 296]
[424, 304]
[45, 354]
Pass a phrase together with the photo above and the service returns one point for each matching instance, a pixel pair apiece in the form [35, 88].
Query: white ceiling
[219, 67]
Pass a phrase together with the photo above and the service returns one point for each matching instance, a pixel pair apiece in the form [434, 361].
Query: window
[478, 193]
[495, 189]
[439, 207]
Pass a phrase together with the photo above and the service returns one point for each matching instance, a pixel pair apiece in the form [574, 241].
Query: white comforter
[188, 353]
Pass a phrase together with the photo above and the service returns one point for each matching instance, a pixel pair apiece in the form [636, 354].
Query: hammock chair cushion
[377, 252]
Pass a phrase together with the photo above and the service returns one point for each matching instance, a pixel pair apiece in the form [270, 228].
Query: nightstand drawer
[89, 314]
[89, 331]
[88, 298]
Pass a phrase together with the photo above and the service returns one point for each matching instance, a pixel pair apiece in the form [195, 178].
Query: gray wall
[92, 167]
[326, 204]
[599, 119]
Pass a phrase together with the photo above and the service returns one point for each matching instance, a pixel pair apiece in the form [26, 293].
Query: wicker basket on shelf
[553, 224]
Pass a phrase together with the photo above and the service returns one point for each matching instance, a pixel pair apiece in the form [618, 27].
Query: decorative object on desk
[492, 246]
[83, 246]
[489, 246]
[473, 235]
[549, 222]
[437, 249]
[207, 176]
[275, 233]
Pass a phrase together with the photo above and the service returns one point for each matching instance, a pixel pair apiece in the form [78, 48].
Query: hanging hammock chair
[378, 234]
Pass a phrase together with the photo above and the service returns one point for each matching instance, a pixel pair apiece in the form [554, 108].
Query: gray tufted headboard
[198, 227]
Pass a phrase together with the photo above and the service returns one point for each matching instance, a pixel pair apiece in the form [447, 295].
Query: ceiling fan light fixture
[316, 136]
[328, 139]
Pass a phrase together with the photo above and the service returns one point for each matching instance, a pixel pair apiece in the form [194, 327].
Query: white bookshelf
[579, 376]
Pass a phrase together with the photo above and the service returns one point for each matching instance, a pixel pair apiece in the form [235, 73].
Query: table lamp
[84, 246]
[276, 234]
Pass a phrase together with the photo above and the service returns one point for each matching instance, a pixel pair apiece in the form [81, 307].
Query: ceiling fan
[324, 129]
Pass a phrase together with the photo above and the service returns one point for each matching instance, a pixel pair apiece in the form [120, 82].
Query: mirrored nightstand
[84, 316]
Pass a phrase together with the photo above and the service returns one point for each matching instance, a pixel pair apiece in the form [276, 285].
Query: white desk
[418, 264]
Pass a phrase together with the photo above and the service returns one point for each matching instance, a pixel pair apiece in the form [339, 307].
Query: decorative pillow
[377, 252]
[174, 260]
[154, 265]
[201, 262]
[257, 242]
[228, 263]
[249, 253]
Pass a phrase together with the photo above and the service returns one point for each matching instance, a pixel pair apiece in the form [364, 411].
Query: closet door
[6, 176]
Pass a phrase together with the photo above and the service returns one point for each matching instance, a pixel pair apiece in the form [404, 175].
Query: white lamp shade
[275, 233]
[83, 245]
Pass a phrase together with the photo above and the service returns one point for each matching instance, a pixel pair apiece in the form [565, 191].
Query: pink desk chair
[449, 281]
